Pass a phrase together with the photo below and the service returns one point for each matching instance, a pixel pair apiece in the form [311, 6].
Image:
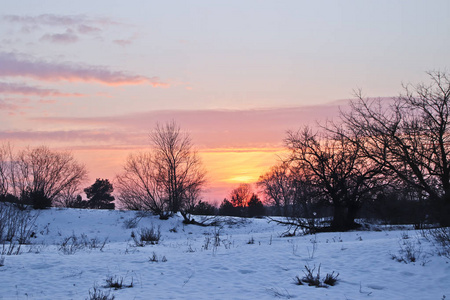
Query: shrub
[409, 252]
[314, 279]
[73, 243]
[36, 198]
[331, 279]
[310, 278]
[116, 283]
[154, 258]
[147, 236]
[441, 239]
[130, 223]
[70, 245]
[17, 227]
[98, 294]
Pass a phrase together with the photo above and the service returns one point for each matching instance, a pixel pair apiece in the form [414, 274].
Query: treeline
[385, 158]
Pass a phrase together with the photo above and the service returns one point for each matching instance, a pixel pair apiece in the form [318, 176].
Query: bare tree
[138, 186]
[335, 167]
[241, 195]
[168, 179]
[39, 172]
[409, 138]
[179, 168]
[278, 187]
[5, 169]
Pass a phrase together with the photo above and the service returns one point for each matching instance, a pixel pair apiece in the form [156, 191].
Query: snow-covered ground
[190, 266]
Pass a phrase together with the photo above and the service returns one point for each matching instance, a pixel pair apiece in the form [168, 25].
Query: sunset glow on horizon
[95, 78]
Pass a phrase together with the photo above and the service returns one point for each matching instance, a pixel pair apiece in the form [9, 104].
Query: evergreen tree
[99, 194]
[255, 207]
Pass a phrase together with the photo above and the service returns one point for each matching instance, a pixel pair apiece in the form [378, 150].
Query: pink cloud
[47, 101]
[123, 42]
[14, 66]
[12, 107]
[4, 105]
[212, 128]
[23, 89]
[71, 136]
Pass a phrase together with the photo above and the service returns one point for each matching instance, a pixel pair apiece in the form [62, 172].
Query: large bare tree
[336, 168]
[179, 168]
[168, 179]
[409, 137]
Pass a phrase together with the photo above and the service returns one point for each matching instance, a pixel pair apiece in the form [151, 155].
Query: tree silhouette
[336, 167]
[241, 195]
[39, 176]
[165, 180]
[99, 194]
[409, 138]
[255, 207]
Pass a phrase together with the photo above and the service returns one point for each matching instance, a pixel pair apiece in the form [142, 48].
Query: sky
[94, 77]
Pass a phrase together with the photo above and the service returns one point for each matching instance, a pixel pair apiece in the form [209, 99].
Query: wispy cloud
[13, 65]
[126, 42]
[14, 106]
[72, 136]
[68, 37]
[86, 29]
[47, 19]
[82, 23]
[73, 25]
[123, 42]
[23, 89]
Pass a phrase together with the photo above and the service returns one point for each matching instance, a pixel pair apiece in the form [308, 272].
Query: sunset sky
[95, 77]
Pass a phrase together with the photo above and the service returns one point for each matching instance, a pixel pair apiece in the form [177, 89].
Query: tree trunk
[351, 216]
[339, 218]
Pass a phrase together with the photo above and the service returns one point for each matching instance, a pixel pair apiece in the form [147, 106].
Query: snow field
[233, 270]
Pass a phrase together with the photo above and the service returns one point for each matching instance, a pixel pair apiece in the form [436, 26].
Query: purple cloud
[69, 37]
[23, 89]
[47, 19]
[85, 29]
[74, 24]
[85, 24]
[14, 66]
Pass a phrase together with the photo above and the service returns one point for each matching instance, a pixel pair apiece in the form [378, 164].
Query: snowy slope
[235, 269]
